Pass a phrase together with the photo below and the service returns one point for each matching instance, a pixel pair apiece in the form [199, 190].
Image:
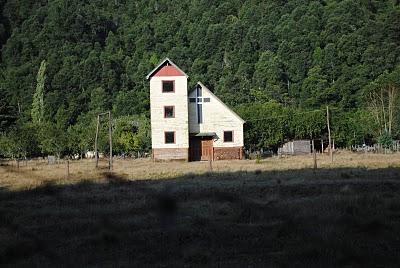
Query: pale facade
[198, 126]
[216, 118]
[179, 122]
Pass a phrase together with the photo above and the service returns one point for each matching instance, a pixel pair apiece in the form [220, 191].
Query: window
[169, 137]
[206, 99]
[228, 136]
[199, 91]
[192, 99]
[169, 111]
[168, 86]
[199, 114]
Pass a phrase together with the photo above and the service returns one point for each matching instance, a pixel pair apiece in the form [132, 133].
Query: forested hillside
[278, 63]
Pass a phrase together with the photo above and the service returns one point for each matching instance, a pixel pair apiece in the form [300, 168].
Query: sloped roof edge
[220, 101]
[161, 64]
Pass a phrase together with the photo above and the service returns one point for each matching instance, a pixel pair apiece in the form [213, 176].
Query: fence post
[314, 156]
[322, 146]
[110, 163]
[67, 168]
[95, 141]
[329, 134]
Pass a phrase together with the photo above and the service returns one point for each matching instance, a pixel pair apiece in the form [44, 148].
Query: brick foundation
[171, 154]
[227, 153]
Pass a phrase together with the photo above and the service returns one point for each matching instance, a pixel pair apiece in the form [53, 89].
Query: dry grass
[275, 213]
[34, 173]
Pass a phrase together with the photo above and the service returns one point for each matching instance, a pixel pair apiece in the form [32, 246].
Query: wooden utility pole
[110, 161]
[95, 141]
[329, 133]
[314, 155]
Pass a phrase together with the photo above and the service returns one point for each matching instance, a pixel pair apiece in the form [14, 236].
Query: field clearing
[36, 172]
[279, 212]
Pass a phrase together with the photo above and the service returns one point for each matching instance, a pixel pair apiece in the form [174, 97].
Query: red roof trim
[175, 71]
[168, 70]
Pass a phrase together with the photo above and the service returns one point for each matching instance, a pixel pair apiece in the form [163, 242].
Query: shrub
[385, 140]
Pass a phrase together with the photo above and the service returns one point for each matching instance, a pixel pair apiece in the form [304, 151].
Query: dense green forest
[277, 63]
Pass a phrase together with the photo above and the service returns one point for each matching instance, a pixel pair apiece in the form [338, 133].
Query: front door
[206, 148]
[201, 148]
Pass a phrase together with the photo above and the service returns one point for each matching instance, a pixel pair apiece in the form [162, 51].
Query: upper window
[228, 136]
[169, 137]
[169, 111]
[199, 113]
[168, 86]
[199, 91]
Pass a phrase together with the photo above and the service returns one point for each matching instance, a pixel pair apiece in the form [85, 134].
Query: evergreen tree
[37, 112]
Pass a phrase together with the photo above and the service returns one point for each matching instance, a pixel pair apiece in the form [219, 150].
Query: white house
[190, 126]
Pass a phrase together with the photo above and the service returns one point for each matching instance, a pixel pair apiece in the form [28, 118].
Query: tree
[266, 124]
[81, 135]
[6, 110]
[99, 101]
[8, 147]
[132, 134]
[53, 134]
[383, 98]
[20, 141]
[314, 90]
[38, 98]
[267, 75]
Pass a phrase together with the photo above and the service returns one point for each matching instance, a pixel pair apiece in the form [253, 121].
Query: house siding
[179, 124]
[216, 118]
[171, 154]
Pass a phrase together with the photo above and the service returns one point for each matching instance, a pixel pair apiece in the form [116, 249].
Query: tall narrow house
[190, 125]
[169, 112]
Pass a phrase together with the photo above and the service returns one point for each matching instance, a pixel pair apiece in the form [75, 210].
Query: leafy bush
[385, 140]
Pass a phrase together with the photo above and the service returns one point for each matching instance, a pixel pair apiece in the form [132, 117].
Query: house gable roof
[220, 101]
[163, 63]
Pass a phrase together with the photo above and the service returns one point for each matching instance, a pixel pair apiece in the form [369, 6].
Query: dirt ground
[279, 212]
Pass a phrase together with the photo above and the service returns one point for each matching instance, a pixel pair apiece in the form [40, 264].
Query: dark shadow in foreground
[280, 218]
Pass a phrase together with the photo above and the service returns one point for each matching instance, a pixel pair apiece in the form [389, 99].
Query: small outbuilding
[296, 147]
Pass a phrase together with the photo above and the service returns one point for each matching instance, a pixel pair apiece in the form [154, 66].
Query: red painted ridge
[168, 70]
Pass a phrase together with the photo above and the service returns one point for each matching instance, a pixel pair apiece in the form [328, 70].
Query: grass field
[279, 212]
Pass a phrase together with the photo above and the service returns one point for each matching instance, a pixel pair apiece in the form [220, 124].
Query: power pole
[110, 162]
[314, 155]
[329, 134]
[95, 142]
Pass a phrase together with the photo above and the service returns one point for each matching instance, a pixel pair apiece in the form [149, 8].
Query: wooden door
[201, 148]
[195, 148]
[206, 148]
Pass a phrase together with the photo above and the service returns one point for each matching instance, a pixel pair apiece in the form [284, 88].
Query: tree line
[277, 63]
